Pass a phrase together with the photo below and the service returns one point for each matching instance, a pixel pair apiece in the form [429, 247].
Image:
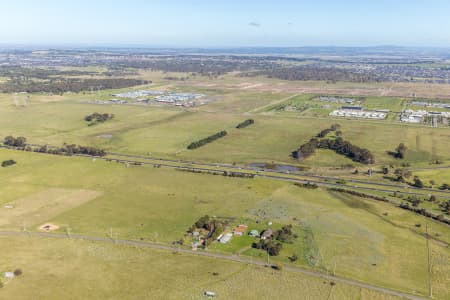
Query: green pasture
[161, 204]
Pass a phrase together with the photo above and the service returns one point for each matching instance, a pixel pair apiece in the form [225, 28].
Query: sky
[225, 23]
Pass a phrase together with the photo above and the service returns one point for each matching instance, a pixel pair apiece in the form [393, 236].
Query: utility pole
[429, 261]
[25, 228]
[334, 261]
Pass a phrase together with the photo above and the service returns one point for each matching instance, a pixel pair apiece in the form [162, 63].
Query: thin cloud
[254, 24]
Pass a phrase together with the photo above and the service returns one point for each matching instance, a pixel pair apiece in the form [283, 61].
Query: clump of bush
[285, 234]
[7, 163]
[399, 151]
[271, 247]
[98, 118]
[273, 244]
[307, 185]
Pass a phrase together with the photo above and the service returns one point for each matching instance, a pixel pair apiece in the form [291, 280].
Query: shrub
[98, 118]
[277, 267]
[9, 162]
[17, 272]
[293, 258]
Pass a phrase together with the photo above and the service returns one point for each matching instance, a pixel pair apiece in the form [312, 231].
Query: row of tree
[246, 123]
[355, 153]
[67, 149]
[426, 213]
[209, 139]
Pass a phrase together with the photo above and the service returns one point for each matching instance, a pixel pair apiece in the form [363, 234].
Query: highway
[273, 174]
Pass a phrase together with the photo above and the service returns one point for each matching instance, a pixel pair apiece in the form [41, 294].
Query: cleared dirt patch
[48, 227]
[42, 206]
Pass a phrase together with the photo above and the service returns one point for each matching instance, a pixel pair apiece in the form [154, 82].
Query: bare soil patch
[48, 227]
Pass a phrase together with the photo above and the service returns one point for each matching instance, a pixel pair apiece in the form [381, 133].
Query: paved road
[218, 256]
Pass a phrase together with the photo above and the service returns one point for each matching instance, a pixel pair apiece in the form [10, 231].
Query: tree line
[68, 150]
[315, 72]
[223, 173]
[63, 85]
[209, 139]
[19, 143]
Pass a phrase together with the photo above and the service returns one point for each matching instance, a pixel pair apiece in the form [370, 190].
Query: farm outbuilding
[226, 238]
[253, 233]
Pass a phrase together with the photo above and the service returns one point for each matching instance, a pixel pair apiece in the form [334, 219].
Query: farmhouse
[240, 230]
[268, 233]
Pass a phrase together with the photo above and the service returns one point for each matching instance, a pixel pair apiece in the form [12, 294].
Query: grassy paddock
[160, 205]
[53, 269]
